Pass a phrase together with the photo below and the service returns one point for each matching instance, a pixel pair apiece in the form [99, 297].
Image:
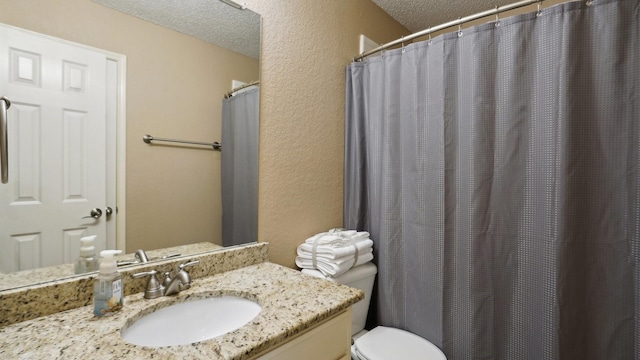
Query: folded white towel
[358, 235]
[332, 236]
[346, 260]
[335, 249]
[331, 267]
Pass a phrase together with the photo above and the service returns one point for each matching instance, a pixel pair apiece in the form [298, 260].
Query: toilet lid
[385, 343]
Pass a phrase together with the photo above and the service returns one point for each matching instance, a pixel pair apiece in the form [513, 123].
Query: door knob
[95, 213]
[109, 210]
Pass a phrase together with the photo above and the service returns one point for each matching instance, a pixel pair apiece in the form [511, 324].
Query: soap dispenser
[108, 291]
[87, 261]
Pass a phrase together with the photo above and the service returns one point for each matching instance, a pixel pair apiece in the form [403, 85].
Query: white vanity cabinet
[329, 340]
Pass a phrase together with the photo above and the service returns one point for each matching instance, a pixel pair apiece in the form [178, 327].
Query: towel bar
[148, 139]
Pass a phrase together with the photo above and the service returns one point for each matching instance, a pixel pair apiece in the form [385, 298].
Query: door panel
[25, 131]
[57, 149]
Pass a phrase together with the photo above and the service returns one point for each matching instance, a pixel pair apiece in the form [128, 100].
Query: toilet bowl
[380, 343]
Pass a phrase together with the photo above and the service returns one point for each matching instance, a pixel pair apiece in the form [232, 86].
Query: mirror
[178, 69]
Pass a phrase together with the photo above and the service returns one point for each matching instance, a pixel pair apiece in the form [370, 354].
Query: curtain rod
[228, 95]
[460, 21]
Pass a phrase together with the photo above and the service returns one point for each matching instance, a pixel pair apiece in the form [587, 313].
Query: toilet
[380, 343]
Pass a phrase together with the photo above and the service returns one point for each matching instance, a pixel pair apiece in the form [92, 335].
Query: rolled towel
[336, 249]
[332, 268]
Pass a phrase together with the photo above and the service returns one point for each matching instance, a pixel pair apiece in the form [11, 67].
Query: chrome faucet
[156, 289]
[141, 256]
[182, 280]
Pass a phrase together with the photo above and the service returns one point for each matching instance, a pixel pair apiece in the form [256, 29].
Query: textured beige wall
[306, 46]
[175, 85]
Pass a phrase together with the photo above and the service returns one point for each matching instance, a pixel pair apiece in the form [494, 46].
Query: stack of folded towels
[335, 252]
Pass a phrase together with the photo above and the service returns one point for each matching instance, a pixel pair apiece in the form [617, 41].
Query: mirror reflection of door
[57, 135]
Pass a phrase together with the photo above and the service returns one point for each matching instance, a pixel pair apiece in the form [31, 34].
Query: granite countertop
[39, 275]
[291, 303]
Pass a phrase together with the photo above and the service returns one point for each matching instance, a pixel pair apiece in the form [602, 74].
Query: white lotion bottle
[88, 261]
[108, 290]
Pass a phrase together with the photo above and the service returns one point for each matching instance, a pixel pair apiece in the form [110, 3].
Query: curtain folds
[240, 118]
[498, 174]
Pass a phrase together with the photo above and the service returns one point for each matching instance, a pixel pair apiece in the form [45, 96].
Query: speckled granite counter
[291, 303]
[30, 302]
[51, 273]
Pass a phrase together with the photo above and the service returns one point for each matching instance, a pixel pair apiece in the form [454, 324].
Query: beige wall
[173, 193]
[306, 46]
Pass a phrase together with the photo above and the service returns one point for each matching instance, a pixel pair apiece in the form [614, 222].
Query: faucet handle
[143, 274]
[189, 264]
[154, 289]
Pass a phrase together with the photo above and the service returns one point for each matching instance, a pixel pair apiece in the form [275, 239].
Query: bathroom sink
[191, 321]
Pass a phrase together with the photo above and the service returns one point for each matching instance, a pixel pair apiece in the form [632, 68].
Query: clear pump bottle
[88, 261]
[108, 290]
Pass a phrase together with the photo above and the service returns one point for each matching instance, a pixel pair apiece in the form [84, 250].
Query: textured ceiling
[418, 15]
[239, 30]
[209, 20]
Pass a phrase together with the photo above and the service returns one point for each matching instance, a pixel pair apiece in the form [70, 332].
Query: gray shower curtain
[240, 124]
[498, 173]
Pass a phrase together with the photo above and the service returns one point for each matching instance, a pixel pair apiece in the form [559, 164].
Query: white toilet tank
[360, 277]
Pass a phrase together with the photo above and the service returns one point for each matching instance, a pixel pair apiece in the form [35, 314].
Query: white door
[57, 149]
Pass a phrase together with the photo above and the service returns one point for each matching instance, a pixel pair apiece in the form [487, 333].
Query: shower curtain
[240, 118]
[497, 170]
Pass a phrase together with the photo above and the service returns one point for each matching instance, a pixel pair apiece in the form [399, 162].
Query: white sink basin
[191, 321]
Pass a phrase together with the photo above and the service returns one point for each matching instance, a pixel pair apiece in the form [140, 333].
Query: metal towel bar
[148, 139]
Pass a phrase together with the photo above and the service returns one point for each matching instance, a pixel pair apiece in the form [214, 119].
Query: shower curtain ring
[497, 23]
[589, 2]
[402, 44]
[539, 12]
[459, 28]
[429, 31]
